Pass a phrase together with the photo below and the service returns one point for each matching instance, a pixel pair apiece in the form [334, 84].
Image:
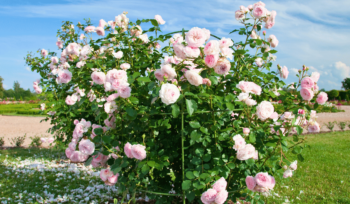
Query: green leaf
[196, 173]
[300, 157]
[230, 106]
[131, 112]
[154, 22]
[190, 175]
[134, 100]
[191, 106]
[106, 139]
[175, 110]
[116, 168]
[204, 130]
[194, 124]
[207, 157]
[299, 130]
[151, 163]
[145, 169]
[204, 175]
[214, 80]
[144, 79]
[88, 162]
[98, 131]
[190, 196]
[186, 185]
[199, 151]
[252, 138]
[231, 165]
[250, 162]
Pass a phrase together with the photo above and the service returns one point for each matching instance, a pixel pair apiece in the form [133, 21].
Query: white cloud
[28, 68]
[294, 70]
[343, 69]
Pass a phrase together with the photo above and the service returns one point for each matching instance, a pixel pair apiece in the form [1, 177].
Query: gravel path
[14, 126]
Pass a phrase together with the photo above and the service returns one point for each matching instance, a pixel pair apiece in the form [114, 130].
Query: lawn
[37, 175]
[21, 110]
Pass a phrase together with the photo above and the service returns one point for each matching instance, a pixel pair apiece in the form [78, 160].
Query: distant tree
[322, 90]
[346, 84]
[333, 94]
[1, 88]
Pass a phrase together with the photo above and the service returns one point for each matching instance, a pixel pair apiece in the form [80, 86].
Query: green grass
[324, 175]
[21, 110]
[16, 114]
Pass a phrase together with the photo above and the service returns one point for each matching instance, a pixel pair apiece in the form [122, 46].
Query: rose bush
[169, 122]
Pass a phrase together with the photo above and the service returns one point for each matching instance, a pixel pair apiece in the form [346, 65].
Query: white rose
[243, 96]
[193, 77]
[168, 70]
[169, 93]
[264, 110]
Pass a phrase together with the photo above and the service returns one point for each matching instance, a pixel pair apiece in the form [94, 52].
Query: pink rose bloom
[159, 19]
[211, 60]
[306, 94]
[259, 62]
[86, 147]
[114, 74]
[112, 180]
[239, 142]
[124, 91]
[102, 23]
[264, 110]
[315, 76]
[271, 20]
[100, 31]
[314, 127]
[313, 114]
[207, 82]
[112, 97]
[137, 30]
[193, 78]
[272, 40]
[78, 157]
[138, 152]
[54, 60]
[44, 52]
[89, 29]
[168, 71]
[256, 155]
[258, 4]
[220, 184]
[207, 33]
[307, 82]
[250, 102]
[80, 64]
[59, 44]
[70, 101]
[239, 15]
[195, 37]
[118, 54]
[179, 50]
[209, 196]
[82, 36]
[255, 89]
[322, 98]
[284, 72]
[246, 131]
[274, 116]
[110, 107]
[125, 66]
[72, 146]
[64, 76]
[273, 183]
[169, 93]
[263, 179]
[222, 66]
[191, 52]
[225, 42]
[250, 182]
[105, 174]
[253, 35]
[127, 150]
[212, 48]
[43, 140]
[69, 152]
[94, 126]
[221, 197]
[244, 86]
[294, 165]
[159, 74]
[117, 84]
[301, 111]
[288, 173]
[259, 11]
[98, 77]
[247, 152]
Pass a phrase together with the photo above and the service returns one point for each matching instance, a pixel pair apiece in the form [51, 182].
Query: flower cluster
[135, 151]
[217, 194]
[289, 170]
[262, 182]
[244, 151]
[36, 87]
[108, 177]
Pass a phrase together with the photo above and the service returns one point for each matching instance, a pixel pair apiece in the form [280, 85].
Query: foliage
[18, 92]
[1, 87]
[36, 141]
[188, 141]
[342, 125]
[23, 109]
[346, 84]
[2, 141]
[17, 141]
[330, 125]
[333, 94]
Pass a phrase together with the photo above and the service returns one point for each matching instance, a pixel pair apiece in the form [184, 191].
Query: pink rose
[246, 131]
[118, 54]
[59, 44]
[288, 173]
[114, 74]
[307, 82]
[159, 74]
[112, 180]
[244, 86]
[239, 142]
[138, 152]
[322, 98]
[225, 43]
[193, 78]
[43, 140]
[86, 147]
[209, 196]
[247, 152]
[253, 35]
[207, 82]
[169, 93]
[80, 64]
[272, 40]
[284, 72]
[70, 101]
[44, 52]
[264, 110]
[69, 152]
[255, 89]
[259, 11]
[258, 62]
[315, 76]
[159, 19]
[105, 174]
[112, 97]
[250, 102]
[102, 23]
[192, 52]
[207, 33]
[212, 48]
[314, 127]
[250, 182]
[98, 77]
[64, 76]
[301, 111]
[137, 30]
[89, 29]
[72, 146]
[271, 20]
[179, 50]
[306, 94]
[272, 183]
[127, 150]
[221, 197]
[110, 107]
[78, 157]
[274, 116]
[118, 83]
[294, 165]
[54, 60]
[125, 66]
[124, 91]
[263, 179]
[168, 71]
[239, 15]
[195, 37]
[222, 66]
[211, 60]
[220, 184]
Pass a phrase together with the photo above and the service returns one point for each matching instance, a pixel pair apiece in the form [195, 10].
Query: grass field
[36, 175]
[21, 110]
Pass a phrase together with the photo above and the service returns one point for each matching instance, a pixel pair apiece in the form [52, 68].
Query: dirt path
[14, 126]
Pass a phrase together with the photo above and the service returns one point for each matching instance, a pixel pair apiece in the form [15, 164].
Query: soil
[14, 126]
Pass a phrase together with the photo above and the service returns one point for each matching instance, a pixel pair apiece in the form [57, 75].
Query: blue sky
[314, 33]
